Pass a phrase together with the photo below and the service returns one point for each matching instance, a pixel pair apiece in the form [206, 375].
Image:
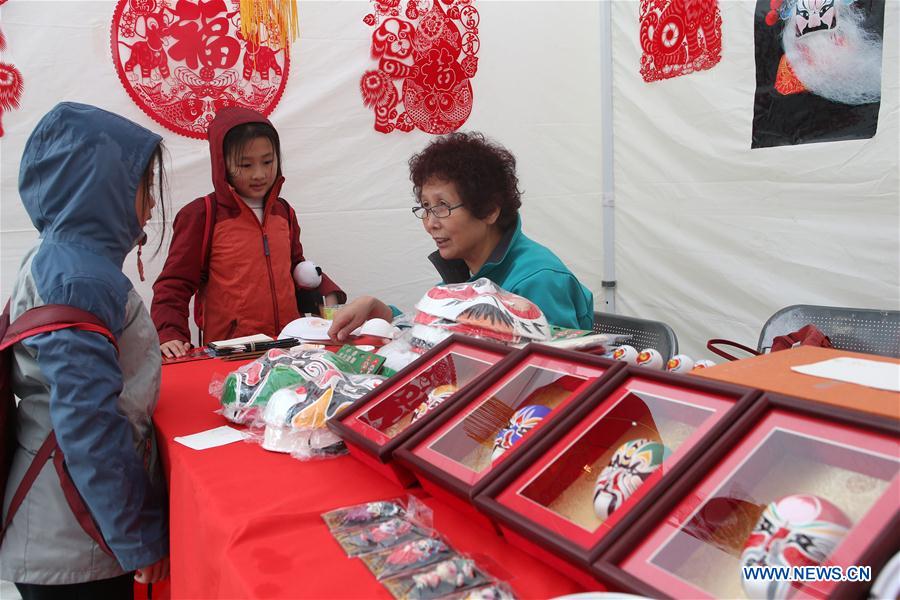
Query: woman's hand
[174, 348]
[355, 314]
[153, 573]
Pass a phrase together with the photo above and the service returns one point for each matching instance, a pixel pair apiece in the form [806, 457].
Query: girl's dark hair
[156, 188]
[483, 172]
[238, 137]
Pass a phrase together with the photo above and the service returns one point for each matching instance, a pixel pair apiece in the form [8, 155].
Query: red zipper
[231, 329]
[265, 241]
[265, 238]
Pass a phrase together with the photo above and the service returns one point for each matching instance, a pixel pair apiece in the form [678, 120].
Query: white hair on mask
[841, 64]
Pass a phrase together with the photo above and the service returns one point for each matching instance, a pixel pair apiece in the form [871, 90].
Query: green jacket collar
[456, 270]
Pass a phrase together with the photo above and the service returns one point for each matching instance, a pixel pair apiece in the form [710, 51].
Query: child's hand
[153, 573]
[355, 314]
[174, 348]
[331, 299]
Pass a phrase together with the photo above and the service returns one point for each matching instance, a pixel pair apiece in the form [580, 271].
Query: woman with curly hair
[468, 200]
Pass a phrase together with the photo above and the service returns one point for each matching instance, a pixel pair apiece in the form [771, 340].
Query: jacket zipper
[265, 240]
[231, 329]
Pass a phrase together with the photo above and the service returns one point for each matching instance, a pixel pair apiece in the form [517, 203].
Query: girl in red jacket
[238, 249]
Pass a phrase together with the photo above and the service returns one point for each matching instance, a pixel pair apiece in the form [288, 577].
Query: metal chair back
[855, 329]
[644, 332]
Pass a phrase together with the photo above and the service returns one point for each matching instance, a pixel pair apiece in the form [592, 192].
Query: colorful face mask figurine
[278, 435]
[247, 390]
[407, 557]
[523, 420]
[378, 537]
[497, 591]
[446, 577]
[650, 358]
[680, 363]
[415, 553]
[626, 353]
[435, 398]
[798, 530]
[631, 464]
[814, 15]
[482, 308]
[362, 514]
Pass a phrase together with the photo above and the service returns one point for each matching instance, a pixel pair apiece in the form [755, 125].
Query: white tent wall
[713, 237]
[537, 92]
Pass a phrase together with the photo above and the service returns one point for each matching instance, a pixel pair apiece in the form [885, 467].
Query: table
[773, 372]
[246, 522]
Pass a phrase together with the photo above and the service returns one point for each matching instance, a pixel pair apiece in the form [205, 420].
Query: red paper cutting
[679, 37]
[10, 84]
[426, 60]
[180, 65]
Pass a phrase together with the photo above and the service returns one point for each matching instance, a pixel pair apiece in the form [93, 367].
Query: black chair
[644, 332]
[855, 329]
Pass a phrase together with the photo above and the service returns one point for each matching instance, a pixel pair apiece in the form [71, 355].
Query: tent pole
[608, 194]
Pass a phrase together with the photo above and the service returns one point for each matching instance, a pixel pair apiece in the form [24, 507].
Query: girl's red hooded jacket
[248, 286]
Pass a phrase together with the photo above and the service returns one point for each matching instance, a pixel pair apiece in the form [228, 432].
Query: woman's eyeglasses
[441, 211]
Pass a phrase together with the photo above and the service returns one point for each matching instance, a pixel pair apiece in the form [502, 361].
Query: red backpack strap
[73, 498]
[292, 214]
[206, 248]
[4, 321]
[205, 252]
[44, 319]
[34, 469]
[53, 317]
[75, 501]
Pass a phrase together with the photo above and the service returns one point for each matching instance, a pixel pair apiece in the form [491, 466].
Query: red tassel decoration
[140, 262]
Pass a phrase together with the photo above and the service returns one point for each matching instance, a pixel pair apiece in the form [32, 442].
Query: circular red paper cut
[181, 62]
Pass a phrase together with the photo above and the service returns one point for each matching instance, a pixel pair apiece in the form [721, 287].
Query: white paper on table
[870, 373]
[211, 438]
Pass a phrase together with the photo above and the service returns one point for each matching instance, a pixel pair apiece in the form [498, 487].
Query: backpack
[42, 319]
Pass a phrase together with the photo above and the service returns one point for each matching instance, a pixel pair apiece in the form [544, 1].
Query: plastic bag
[411, 344]
[479, 309]
[494, 591]
[246, 391]
[379, 536]
[484, 309]
[378, 530]
[437, 581]
[364, 514]
[294, 417]
[411, 556]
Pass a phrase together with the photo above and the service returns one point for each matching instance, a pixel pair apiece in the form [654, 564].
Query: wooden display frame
[869, 542]
[550, 535]
[454, 482]
[372, 446]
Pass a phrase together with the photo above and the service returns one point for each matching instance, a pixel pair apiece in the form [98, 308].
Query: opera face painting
[818, 70]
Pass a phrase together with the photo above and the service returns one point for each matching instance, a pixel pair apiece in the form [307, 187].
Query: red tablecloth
[246, 522]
